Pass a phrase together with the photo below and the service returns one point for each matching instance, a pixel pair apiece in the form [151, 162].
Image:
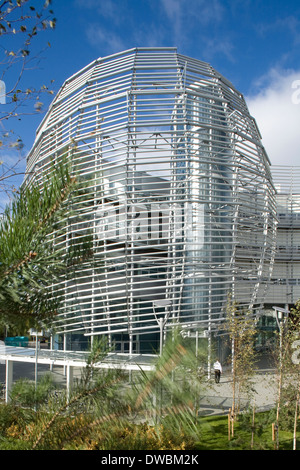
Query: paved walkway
[216, 399]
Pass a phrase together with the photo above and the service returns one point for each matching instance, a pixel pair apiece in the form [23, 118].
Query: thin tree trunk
[296, 419]
[278, 409]
[253, 421]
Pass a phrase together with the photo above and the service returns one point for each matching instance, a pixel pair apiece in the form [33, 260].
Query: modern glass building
[284, 288]
[177, 196]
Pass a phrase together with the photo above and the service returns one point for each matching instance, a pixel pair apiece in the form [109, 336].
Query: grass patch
[214, 434]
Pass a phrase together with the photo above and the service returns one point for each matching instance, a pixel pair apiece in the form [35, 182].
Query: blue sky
[254, 43]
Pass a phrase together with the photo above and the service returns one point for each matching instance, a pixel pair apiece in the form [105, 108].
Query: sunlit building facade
[285, 282]
[284, 288]
[177, 196]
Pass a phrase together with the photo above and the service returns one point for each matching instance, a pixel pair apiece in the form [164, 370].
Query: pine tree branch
[20, 264]
[57, 204]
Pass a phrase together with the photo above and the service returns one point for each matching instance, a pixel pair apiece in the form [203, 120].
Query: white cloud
[276, 109]
[99, 36]
[190, 17]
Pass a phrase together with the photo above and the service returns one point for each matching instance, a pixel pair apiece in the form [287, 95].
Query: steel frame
[178, 195]
[285, 282]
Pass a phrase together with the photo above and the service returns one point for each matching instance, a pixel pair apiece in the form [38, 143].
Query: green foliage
[214, 434]
[288, 372]
[104, 412]
[241, 329]
[289, 398]
[22, 23]
[27, 393]
[29, 261]
[12, 419]
[173, 390]
[18, 416]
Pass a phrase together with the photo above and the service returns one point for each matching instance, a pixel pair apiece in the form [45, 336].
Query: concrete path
[217, 398]
[214, 399]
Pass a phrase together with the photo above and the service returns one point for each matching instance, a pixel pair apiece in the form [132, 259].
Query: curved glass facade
[176, 193]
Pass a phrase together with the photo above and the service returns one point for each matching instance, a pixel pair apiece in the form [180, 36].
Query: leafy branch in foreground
[29, 259]
[20, 23]
[241, 329]
[104, 413]
[288, 374]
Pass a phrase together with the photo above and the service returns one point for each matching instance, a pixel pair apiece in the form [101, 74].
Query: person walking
[218, 371]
